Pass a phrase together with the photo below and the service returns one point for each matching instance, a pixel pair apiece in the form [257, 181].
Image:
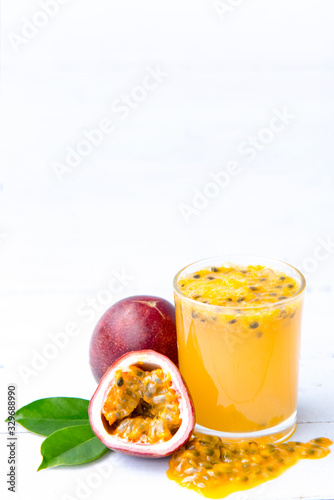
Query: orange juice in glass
[238, 329]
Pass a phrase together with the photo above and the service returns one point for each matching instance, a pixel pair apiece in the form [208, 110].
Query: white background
[62, 239]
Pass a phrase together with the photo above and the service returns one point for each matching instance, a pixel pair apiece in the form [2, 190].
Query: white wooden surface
[61, 243]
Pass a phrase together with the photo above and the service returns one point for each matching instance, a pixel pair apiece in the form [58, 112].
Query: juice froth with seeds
[238, 328]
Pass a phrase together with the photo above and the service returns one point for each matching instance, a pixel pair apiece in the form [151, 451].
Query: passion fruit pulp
[142, 406]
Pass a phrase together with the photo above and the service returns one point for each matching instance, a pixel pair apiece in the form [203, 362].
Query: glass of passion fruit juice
[238, 329]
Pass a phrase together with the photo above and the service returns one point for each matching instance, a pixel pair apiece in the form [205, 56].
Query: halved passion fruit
[142, 406]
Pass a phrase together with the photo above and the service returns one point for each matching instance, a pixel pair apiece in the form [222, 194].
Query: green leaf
[71, 446]
[46, 416]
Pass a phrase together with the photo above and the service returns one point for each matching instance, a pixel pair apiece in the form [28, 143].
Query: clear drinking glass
[243, 382]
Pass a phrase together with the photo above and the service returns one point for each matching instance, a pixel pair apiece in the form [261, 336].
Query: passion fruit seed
[196, 276]
[232, 321]
[255, 324]
[283, 313]
[270, 448]
[321, 441]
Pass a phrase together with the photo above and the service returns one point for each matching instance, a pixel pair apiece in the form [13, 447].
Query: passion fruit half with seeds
[142, 406]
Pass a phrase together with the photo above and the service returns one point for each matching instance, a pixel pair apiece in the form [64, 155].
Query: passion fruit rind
[142, 406]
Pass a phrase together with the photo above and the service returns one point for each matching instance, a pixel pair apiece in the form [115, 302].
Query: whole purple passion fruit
[133, 324]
